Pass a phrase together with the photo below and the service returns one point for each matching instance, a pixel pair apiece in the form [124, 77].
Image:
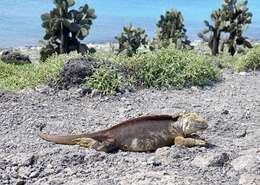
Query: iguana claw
[85, 142]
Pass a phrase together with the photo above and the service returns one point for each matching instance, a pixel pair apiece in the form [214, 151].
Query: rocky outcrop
[13, 57]
[74, 73]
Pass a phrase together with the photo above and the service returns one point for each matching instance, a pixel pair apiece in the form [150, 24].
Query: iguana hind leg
[105, 146]
[85, 142]
[189, 142]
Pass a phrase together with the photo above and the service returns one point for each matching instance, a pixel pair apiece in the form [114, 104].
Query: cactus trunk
[61, 39]
[215, 43]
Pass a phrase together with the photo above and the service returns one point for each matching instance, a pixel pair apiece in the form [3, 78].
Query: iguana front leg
[105, 146]
[189, 142]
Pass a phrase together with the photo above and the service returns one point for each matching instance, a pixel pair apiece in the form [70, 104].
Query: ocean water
[20, 23]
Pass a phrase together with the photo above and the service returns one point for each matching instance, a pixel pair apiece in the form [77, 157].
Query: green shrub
[170, 67]
[200, 73]
[106, 80]
[251, 61]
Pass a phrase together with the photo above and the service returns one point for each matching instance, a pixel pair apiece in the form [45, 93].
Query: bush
[178, 68]
[170, 67]
[251, 61]
[106, 80]
[200, 73]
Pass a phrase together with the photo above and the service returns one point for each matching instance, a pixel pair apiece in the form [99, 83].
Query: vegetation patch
[171, 67]
[163, 68]
[107, 80]
[13, 77]
[251, 61]
[166, 67]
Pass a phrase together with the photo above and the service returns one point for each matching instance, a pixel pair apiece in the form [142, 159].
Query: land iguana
[144, 133]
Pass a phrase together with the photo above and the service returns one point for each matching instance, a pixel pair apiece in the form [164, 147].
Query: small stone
[49, 169]
[44, 89]
[242, 133]
[127, 103]
[153, 161]
[244, 162]
[34, 174]
[207, 88]
[85, 91]
[69, 171]
[210, 159]
[24, 172]
[249, 179]
[225, 112]
[164, 151]
[195, 88]
[243, 73]
[20, 183]
[25, 159]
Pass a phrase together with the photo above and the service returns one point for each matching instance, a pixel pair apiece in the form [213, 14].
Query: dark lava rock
[13, 57]
[74, 73]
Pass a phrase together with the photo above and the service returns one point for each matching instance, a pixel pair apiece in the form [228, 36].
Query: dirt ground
[232, 108]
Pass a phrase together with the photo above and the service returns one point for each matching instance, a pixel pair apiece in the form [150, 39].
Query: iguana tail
[66, 140]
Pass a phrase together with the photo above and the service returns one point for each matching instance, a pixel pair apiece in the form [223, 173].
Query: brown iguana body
[145, 133]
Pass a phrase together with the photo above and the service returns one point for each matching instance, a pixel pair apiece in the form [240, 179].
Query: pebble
[243, 73]
[249, 179]
[210, 159]
[246, 162]
[24, 172]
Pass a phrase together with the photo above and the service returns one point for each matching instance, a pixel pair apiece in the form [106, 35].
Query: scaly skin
[145, 133]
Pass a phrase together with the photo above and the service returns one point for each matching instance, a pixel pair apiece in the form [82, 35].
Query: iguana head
[191, 122]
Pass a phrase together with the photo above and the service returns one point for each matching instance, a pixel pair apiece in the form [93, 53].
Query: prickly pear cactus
[232, 19]
[64, 28]
[131, 39]
[237, 17]
[212, 34]
[171, 30]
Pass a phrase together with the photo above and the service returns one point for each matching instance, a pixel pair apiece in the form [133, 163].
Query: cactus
[64, 28]
[131, 39]
[232, 19]
[216, 29]
[238, 16]
[171, 30]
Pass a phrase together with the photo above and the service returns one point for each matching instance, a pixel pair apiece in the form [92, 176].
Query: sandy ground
[232, 108]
